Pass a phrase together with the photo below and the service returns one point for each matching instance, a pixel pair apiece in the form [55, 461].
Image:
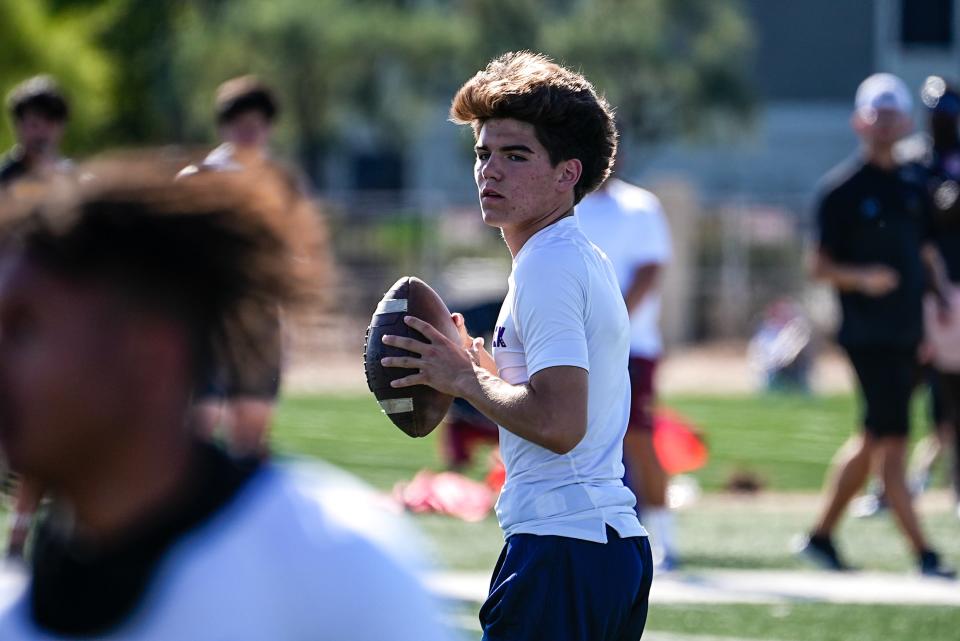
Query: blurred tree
[140, 39]
[669, 66]
[365, 71]
[37, 38]
[342, 69]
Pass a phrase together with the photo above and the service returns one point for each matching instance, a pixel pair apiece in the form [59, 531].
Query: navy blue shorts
[554, 588]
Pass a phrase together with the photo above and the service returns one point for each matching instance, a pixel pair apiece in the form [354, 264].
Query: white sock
[659, 523]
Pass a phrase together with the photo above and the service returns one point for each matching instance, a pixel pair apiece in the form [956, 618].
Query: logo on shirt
[870, 208]
[498, 339]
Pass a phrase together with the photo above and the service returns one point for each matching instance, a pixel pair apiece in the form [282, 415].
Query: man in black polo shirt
[875, 245]
[39, 113]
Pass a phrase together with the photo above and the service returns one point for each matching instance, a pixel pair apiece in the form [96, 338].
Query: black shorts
[887, 378]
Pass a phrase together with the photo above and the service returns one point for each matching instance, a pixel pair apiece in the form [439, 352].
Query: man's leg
[849, 472]
[645, 476]
[886, 377]
[951, 436]
[850, 469]
[931, 447]
[892, 452]
[648, 480]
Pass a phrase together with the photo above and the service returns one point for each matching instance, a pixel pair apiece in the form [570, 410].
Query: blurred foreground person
[241, 401]
[115, 300]
[875, 244]
[629, 225]
[39, 113]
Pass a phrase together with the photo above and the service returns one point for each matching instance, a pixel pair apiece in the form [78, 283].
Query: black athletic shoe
[820, 551]
[931, 565]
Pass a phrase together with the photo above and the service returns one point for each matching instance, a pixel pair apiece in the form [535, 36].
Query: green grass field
[808, 622]
[786, 442]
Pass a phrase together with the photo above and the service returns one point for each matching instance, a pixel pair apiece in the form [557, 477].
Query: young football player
[576, 564]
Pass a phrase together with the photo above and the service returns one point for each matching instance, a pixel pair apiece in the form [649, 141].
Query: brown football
[419, 409]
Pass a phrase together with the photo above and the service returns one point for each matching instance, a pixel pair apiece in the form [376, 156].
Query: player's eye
[483, 155]
[516, 158]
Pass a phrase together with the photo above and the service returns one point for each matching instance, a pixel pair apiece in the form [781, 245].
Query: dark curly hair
[242, 94]
[569, 118]
[40, 94]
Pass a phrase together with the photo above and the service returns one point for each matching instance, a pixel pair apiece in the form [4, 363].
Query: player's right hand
[878, 280]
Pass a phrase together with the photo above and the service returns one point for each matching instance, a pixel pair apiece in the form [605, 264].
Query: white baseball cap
[883, 91]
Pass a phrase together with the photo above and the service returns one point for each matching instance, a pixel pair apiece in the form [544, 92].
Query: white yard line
[753, 586]
[653, 635]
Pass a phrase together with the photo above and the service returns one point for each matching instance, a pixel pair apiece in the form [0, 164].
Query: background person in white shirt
[576, 564]
[629, 225]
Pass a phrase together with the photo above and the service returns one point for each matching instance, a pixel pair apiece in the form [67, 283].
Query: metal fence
[733, 256]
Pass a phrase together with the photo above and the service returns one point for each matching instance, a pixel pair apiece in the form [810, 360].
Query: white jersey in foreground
[629, 225]
[564, 308]
[288, 559]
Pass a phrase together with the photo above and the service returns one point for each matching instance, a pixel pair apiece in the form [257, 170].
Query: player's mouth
[489, 195]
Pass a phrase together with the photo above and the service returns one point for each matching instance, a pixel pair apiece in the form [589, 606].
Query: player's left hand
[442, 364]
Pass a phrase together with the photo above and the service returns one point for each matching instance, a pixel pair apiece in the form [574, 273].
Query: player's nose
[489, 169]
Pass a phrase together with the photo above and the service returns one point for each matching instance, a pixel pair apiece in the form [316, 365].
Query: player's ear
[568, 174]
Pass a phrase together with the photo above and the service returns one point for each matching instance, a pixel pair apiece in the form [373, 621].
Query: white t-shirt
[629, 225]
[292, 557]
[564, 307]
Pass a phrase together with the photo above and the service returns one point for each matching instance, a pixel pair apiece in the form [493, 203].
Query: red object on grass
[446, 493]
[678, 444]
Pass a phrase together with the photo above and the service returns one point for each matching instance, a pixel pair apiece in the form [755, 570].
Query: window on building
[928, 23]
